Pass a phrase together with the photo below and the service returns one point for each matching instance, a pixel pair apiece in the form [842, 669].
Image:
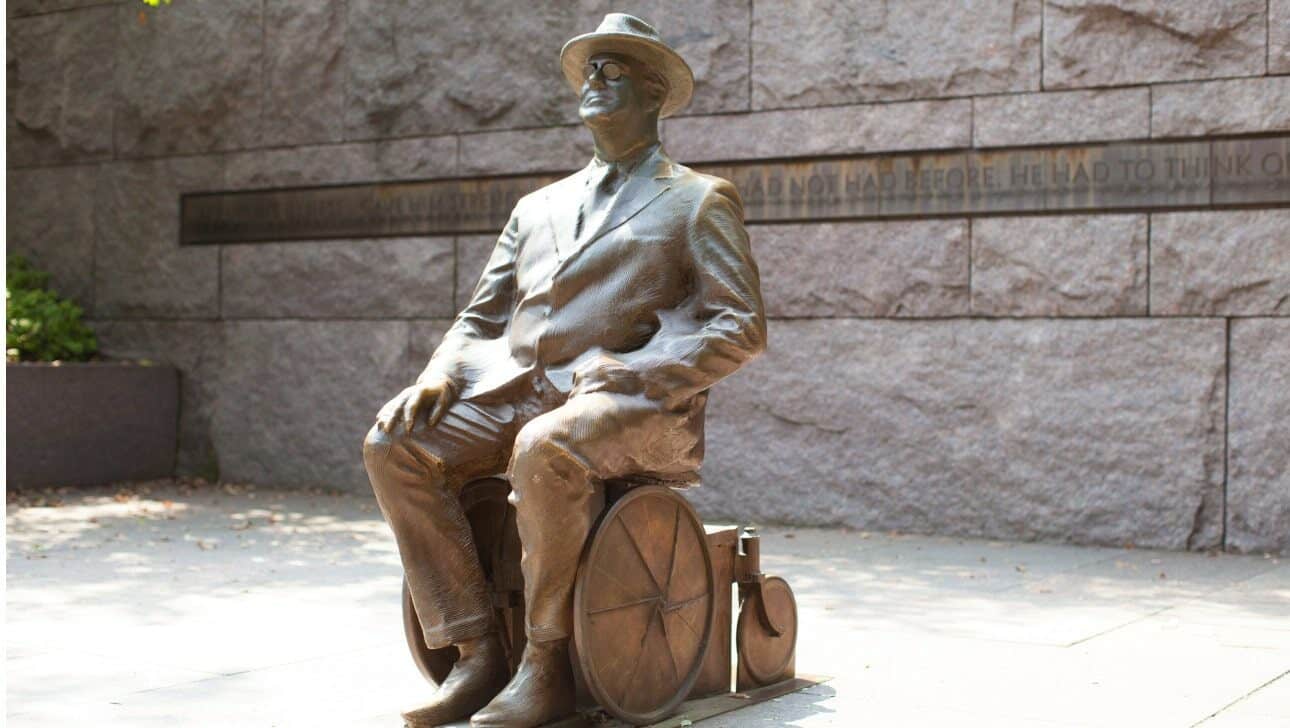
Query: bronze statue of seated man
[613, 300]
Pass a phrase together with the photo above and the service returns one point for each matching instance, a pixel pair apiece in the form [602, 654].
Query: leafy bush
[42, 326]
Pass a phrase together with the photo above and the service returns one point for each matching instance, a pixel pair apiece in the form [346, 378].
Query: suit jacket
[661, 282]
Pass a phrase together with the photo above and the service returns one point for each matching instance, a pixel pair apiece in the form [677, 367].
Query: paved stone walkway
[173, 605]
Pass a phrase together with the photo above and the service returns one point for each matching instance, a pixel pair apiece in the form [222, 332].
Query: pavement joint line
[1109, 630]
[1213, 715]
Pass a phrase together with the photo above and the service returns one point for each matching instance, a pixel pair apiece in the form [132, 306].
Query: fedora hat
[631, 36]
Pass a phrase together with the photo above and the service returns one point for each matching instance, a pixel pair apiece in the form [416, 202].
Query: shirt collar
[629, 165]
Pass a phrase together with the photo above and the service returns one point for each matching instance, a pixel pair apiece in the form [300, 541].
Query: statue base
[691, 711]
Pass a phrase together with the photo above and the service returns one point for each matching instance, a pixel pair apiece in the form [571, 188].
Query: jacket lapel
[562, 203]
[651, 179]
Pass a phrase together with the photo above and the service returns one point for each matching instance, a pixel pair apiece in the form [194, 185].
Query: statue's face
[614, 92]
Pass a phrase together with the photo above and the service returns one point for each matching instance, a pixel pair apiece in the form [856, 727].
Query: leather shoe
[541, 691]
[480, 672]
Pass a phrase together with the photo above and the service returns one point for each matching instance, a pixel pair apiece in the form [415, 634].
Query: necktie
[601, 187]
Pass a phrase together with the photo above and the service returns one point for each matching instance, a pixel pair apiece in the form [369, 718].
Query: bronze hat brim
[675, 71]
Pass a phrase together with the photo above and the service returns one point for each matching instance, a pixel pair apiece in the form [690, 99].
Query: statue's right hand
[433, 396]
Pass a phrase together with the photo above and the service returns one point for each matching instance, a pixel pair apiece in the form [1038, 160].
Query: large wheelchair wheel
[492, 524]
[644, 606]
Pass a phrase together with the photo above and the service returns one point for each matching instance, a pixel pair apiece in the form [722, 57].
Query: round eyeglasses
[609, 70]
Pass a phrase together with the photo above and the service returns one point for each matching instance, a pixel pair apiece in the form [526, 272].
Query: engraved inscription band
[1143, 176]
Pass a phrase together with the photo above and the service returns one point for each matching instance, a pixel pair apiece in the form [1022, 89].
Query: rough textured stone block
[1220, 263]
[192, 347]
[386, 277]
[296, 398]
[1090, 431]
[189, 77]
[385, 161]
[1258, 459]
[829, 52]
[417, 68]
[60, 87]
[1221, 107]
[51, 221]
[31, 7]
[1065, 117]
[1096, 43]
[139, 269]
[837, 130]
[304, 77]
[472, 255]
[864, 269]
[1089, 265]
[529, 150]
[1278, 36]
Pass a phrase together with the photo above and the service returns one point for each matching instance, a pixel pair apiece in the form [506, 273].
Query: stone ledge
[1221, 107]
[829, 130]
[1061, 117]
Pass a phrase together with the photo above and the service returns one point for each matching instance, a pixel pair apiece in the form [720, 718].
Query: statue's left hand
[606, 374]
[431, 398]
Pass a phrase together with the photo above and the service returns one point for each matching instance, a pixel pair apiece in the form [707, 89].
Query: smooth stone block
[1087, 265]
[1220, 263]
[140, 270]
[914, 268]
[473, 252]
[1061, 117]
[380, 278]
[192, 347]
[1090, 431]
[51, 221]
[296, 398]
[824, 131]
[335, 164]
[553, 149]
[1258, 456]
[1221, 107]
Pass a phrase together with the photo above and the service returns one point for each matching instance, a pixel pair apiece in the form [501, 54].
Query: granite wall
[1097, 378]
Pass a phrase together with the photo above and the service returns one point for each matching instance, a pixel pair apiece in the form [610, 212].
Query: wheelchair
[653, 602]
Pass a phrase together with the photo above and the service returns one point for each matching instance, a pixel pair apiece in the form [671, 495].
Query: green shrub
[41, 325]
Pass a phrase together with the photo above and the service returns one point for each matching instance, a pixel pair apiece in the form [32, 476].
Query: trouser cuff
[439, 637]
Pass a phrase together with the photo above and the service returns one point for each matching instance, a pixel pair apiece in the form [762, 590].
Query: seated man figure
[613, 300]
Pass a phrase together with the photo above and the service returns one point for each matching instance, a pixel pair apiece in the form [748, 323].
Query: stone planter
[90, 423]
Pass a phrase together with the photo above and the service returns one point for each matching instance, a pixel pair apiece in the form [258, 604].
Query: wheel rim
[643, 605]
[764, 655]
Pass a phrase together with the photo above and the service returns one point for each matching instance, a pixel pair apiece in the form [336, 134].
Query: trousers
[556, 451]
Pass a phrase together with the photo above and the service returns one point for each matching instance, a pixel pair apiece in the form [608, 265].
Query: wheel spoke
[674, 606]
[676, 669]
[676, 543]
[640, 653]
[686, 622]
[640, 554]
[624, 605]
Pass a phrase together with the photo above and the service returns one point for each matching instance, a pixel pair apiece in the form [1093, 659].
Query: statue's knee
[541, 445]
[376, 447]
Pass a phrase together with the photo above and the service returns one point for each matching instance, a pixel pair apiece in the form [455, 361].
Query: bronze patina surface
[614, 299]
[1120, 176]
